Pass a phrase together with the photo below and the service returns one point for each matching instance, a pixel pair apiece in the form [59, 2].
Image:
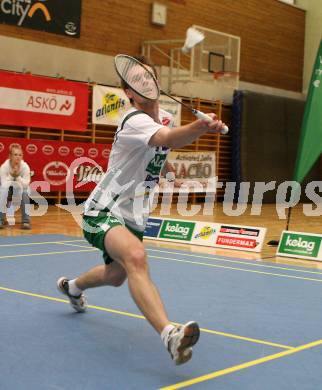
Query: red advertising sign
[35, 101]
[64, 165]
[238, 242]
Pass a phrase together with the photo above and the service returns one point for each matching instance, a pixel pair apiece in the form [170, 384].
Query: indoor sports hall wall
[265, 136]
[272, 35]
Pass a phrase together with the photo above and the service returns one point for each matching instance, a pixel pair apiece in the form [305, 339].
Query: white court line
[180, 261]
[44, 254]
[237, 269]
[249, 263]
[204, 257]
[220, 259]
[39, 243]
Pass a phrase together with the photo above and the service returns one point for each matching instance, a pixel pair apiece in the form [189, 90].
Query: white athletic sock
[73, 289]
[165, 333]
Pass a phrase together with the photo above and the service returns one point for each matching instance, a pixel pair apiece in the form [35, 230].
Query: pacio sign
[64, 165]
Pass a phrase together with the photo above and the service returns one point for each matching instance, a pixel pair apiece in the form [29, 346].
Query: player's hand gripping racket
[143, 82]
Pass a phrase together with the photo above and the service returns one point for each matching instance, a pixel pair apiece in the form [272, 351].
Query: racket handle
[205, 117]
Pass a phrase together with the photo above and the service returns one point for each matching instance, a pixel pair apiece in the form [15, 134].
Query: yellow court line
[242, 366]
[236, 261]
[39, 243]
[228, 335]
[237, 269]
[232, 336]
[45, 253]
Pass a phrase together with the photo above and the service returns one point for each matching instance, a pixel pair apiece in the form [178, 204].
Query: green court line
[242, 366]
[127, 314]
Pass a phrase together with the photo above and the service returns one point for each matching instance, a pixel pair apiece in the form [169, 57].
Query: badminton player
[116, 213]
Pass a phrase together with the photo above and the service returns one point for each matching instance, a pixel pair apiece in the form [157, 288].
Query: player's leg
[102, 275]
[129, 251]
[112, 274]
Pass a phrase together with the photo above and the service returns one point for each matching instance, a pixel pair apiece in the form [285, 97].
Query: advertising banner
[176, 230]
[300, 245]
[55, 162]
[204, 233]
[172, 107]
[189, 172]
[240, 237]
[44, 102]
[55, 16]
[245, 238]
[110, 104]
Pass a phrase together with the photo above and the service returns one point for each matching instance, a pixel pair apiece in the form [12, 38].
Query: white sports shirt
[5, 176]
[133, 170]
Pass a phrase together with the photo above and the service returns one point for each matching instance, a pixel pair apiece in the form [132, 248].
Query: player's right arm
[181, 136]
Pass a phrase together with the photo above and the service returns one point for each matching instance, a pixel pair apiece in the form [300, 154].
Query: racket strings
[137, 77]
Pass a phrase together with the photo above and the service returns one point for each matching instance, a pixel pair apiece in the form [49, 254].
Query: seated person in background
[14, 184]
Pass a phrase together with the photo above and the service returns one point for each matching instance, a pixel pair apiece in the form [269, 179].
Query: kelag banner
[34, 101]
[55, 16]
[50, 161]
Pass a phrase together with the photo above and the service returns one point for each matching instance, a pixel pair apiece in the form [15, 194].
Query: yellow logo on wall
[205, 233]
[111, 104]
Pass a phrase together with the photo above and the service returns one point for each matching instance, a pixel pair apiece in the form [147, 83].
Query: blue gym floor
[261, 323]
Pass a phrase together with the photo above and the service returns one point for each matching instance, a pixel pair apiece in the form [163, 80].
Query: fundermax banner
[44, 102]
[55, 16]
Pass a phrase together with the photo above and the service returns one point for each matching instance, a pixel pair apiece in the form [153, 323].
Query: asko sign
[44, 102]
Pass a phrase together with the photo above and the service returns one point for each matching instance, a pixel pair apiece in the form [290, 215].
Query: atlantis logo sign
[57, 16]
[111, 106]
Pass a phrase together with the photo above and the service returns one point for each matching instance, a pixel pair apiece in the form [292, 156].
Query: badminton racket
[142, 81]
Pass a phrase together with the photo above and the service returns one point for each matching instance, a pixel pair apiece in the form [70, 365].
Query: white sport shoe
[181, 339]
[78, 303]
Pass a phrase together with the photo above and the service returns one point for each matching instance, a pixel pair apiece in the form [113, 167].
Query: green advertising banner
[177, 230]
[310, 145]
[301, 245]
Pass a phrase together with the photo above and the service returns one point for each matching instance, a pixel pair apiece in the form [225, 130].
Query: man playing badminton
[116, 212]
